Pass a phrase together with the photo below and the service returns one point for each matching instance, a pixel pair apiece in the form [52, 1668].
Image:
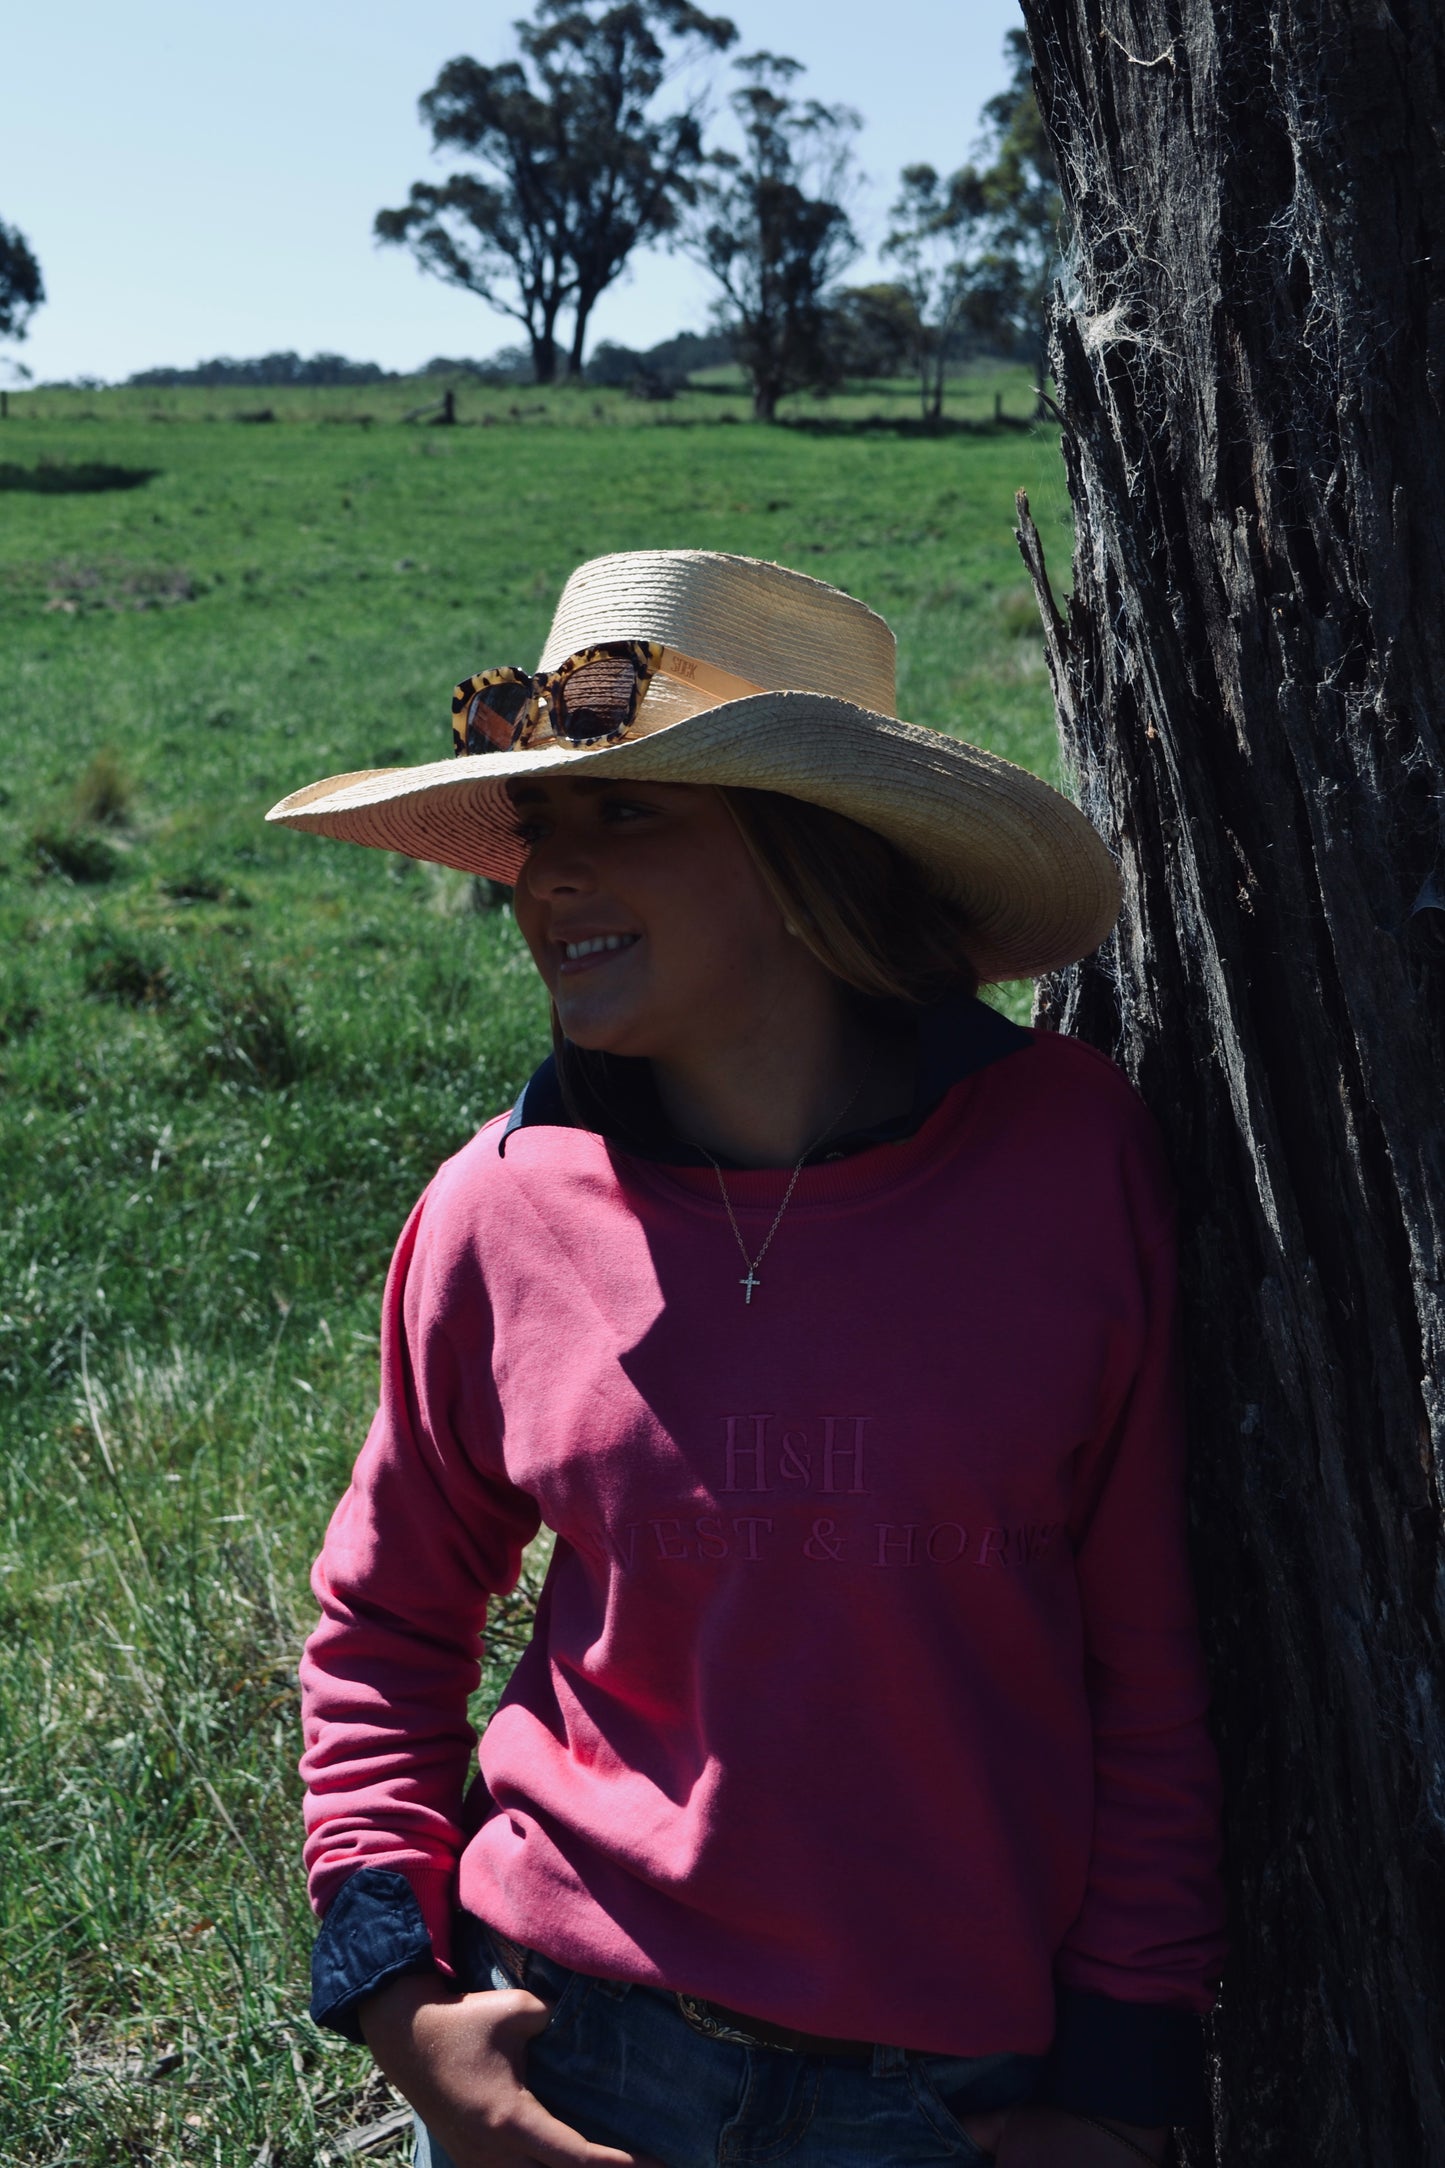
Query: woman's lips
[590, 951]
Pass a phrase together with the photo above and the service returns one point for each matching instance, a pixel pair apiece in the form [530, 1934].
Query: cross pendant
[750, 1283]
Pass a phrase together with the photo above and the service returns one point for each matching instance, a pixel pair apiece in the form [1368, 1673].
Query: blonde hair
[855, 901]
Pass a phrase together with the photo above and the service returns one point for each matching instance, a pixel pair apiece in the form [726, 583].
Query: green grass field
[230, 1057]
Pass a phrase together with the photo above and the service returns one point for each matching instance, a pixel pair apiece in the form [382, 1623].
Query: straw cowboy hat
[703, 668]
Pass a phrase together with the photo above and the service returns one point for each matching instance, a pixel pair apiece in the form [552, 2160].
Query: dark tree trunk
[583, 307]
[1250, 362]
[544, 351]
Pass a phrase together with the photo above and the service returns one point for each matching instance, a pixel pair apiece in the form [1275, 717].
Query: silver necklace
[752, 1263]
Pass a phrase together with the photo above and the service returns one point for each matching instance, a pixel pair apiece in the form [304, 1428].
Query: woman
[853, 1801]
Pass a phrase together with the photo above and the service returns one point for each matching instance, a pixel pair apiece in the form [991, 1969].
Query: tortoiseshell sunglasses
[590, 699]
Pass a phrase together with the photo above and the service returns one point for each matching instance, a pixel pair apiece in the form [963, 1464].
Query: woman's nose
[558, 866]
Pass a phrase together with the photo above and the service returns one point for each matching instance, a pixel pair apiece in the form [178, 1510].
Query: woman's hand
[458, 2059]
[1048, 2138]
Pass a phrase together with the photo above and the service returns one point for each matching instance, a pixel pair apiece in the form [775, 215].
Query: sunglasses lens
[596, 699]
[492, 716]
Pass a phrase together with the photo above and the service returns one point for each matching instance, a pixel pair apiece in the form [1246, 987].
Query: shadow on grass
[905, 425]
[242, 1023]
[85, 477]
[73, 854]
[116, 969]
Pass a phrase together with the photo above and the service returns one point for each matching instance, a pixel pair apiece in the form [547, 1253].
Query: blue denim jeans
[624, 2066]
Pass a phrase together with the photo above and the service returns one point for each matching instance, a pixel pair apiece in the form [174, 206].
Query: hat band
[688, 670]
[685, 685]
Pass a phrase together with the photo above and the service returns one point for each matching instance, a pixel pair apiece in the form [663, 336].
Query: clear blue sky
[200, 179]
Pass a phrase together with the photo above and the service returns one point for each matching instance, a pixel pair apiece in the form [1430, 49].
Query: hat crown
[779, 629]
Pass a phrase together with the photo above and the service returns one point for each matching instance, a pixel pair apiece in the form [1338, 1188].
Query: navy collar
[956, 1038]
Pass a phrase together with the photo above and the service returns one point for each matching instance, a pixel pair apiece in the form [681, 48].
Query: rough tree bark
[1249, 356]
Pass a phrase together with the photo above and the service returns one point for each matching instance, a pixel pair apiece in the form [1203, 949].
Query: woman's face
[647, 917]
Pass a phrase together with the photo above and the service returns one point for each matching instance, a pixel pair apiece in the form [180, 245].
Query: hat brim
[1035, 882]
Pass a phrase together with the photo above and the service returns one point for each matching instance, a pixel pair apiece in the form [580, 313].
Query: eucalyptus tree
[773, 228]
[1006, 210]
[1249, 354]
[873, 329]
[573, 168]
[925, 240]
[978, 251]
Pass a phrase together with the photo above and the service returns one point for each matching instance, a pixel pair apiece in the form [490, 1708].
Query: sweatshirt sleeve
[1139, 1964]
[429, 1528]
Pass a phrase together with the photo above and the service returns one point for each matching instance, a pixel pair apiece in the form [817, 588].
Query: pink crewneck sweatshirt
[865, 1693]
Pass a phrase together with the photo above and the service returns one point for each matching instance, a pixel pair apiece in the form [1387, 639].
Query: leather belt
[719, 2023]
[514, 1955]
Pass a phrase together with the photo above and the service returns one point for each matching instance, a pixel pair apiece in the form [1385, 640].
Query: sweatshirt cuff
[374, 1931]
[1141, 2062]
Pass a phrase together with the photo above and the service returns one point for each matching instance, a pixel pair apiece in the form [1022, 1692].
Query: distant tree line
[654, 371]
[266, 370]
[657, 372]
[572, 168]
